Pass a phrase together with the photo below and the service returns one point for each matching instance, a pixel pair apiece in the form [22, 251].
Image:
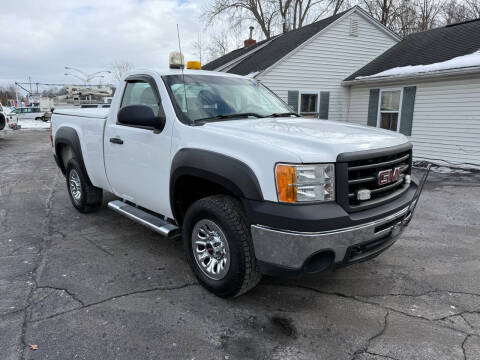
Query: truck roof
[162, 72]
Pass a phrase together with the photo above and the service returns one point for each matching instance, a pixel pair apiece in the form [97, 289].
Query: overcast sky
[38, 38]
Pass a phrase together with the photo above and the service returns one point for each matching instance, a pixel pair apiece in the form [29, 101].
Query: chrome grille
[364, 175]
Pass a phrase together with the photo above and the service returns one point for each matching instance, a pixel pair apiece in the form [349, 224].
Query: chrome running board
[153, 222]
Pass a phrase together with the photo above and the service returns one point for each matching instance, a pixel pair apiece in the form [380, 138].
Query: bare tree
[198, 47]
[307, 11]
[428, 13]
[473, 7]
[272, 15]
[382, 10]
[263, 12]
[454, 11]
[405, 19]
[283, 9]
[119, 68]
[337, 5]
[219, 44]
[7, 93]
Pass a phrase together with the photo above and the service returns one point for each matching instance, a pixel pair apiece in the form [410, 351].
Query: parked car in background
[29, 113]
[7, 118]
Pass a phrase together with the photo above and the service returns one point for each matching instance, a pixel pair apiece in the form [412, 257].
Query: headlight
[305, 183]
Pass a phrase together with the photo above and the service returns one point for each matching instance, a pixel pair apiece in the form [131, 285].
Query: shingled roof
[427, 47]
[232, 55]
[274, 50]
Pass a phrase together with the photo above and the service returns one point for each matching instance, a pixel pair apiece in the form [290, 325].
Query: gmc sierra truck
[251, 187]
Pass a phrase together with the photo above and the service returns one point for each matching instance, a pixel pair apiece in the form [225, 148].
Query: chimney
[250, 41]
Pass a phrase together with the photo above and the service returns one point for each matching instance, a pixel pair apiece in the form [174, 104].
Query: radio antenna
[182, 66]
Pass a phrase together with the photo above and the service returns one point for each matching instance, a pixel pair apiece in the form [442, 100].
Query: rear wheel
[2, 122]
[84, 196]
[218, 246]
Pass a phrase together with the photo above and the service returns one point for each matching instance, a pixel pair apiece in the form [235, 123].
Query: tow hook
[397, 228]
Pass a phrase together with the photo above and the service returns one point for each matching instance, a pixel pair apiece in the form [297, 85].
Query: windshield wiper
[227, 116]
[282, 114]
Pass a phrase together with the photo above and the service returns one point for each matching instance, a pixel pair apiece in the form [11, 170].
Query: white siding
[331, 56]
[446, 118]
[358, 107]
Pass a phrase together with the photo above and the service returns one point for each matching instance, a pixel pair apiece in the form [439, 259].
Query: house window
[389, 109]
[309, 103]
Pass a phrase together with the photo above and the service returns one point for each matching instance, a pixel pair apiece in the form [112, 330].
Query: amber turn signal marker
[194, 65]
[286, 178]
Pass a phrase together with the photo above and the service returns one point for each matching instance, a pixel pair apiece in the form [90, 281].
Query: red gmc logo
[387, 176]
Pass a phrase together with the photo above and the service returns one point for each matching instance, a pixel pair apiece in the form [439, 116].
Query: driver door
[137, 158]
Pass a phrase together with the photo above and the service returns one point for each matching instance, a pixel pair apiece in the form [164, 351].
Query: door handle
[116, 141]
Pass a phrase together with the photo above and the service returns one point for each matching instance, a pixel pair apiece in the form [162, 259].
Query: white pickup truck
[7, 118]
[3, 119]
[252, 187]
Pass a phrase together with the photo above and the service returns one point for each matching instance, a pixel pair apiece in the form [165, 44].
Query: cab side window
[141, 93]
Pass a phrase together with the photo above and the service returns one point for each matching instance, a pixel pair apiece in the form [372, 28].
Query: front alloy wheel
[218, 246]
[210, 249]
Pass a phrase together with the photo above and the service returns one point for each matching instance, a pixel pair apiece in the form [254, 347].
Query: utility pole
[28, 95]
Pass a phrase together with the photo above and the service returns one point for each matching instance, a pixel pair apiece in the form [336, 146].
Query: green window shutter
[324, 104]
[293, 100]
[408, 104]
[373, 107]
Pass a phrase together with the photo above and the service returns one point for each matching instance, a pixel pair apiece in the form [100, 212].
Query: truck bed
[89, 125]
[100, 113]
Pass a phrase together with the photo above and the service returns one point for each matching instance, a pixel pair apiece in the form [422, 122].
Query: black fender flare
[68, 136]
[230, 173]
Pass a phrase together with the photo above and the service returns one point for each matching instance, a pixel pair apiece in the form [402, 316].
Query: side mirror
[140, 115]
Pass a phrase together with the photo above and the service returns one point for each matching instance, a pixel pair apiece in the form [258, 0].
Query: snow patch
[455, 63]
[33, 124]
[253, 74]
[449, 170]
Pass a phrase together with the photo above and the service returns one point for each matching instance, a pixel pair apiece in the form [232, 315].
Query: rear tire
[2, 122]
[85, 197]
[219, 222]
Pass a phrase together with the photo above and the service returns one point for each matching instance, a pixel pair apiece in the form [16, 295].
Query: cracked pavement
[100, 286]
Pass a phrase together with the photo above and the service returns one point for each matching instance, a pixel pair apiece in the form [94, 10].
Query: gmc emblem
[387, 176]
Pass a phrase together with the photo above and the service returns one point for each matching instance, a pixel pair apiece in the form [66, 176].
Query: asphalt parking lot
[100, 286]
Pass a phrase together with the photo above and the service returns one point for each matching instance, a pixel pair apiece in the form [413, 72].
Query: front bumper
[290, 252]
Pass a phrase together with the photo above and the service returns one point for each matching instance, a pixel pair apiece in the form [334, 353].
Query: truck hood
[312, 140]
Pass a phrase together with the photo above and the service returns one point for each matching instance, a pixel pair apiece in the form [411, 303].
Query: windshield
[220, 97]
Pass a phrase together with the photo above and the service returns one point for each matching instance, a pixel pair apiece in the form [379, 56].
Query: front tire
[218, 246]
[85, 197]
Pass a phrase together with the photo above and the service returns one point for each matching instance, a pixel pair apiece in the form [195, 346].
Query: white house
[306, 66]
[427, 87]
[351, 68]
